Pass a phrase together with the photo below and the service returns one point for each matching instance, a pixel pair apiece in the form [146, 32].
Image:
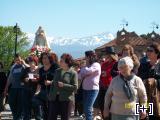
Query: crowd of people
[110, 86]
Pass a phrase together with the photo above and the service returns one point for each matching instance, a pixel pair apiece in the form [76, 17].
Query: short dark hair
[68, 59]
[17, 55]
[89, 53]
[48, 55]
[92, 56]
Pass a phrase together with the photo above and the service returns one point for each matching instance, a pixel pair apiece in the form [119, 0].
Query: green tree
[7, 45]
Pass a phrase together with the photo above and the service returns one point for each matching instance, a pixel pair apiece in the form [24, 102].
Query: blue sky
[77, 18]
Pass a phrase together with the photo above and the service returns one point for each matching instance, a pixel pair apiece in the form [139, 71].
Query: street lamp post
[16, 30]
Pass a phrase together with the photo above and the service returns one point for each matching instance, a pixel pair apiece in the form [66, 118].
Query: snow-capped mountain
[76, 46]
[94, 40]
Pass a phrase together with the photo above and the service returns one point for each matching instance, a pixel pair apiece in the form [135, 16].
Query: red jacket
[106, 77]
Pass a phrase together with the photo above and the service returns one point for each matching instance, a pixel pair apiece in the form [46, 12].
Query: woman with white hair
[124, 92]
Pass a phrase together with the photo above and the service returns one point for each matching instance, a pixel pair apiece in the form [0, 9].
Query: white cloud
[110, 36]
[97, 39]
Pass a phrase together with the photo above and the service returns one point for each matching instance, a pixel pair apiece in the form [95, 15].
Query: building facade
[139, 43]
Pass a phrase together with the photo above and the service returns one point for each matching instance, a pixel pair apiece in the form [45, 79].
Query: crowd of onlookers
[108, 87]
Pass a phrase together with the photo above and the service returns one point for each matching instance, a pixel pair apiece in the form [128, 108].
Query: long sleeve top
[146, 70]
[70, 85]
[90, 76]
[116, 100]
[30, 84]
[106, 76]
[47, 75]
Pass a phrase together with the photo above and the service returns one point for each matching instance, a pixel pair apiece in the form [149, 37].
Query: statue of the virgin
[40, 38]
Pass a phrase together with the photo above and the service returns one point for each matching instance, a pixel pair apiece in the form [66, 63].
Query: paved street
[7, 115]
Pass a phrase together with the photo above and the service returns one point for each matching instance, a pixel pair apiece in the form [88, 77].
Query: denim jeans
[89, 97]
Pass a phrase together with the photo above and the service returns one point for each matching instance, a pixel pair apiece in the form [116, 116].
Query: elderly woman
[90, 74]
[124, 92]
[64, 84]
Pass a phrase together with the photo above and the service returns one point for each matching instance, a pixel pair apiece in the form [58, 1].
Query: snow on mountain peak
[94, 40]
[75, 46]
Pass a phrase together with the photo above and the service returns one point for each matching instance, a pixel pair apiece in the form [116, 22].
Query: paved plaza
[7, 115]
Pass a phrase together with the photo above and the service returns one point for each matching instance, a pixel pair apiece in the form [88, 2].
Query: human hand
[34, 79]
[22, 61]
[47, 82]
[26, 79]
[60, 84]
[105, 114]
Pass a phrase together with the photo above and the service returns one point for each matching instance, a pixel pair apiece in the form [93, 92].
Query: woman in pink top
[90, 74]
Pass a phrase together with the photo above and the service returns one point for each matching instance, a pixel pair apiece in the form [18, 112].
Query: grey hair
[126, 61]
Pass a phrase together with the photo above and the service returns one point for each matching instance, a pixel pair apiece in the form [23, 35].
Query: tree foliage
[7, 45]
